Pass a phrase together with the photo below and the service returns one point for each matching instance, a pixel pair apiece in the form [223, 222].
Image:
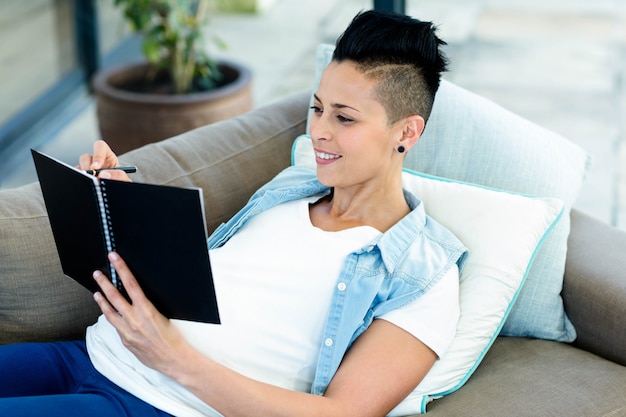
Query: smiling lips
[323, 157]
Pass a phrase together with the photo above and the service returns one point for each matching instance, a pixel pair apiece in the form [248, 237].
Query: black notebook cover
[158, 230]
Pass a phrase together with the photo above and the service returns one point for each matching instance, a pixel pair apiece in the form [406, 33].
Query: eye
[343, 119]
[316, 109]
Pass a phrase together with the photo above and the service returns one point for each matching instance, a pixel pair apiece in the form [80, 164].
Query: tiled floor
[559, 63]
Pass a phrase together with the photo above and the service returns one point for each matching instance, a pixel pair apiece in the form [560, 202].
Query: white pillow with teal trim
[503, 232]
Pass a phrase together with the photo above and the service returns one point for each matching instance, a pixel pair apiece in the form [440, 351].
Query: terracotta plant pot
[130, 119]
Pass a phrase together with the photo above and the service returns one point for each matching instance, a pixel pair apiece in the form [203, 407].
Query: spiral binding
[107, 226]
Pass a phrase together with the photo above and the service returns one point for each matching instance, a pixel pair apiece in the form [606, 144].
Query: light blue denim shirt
[402, 264]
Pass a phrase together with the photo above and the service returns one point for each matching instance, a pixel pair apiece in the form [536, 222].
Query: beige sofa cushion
[37, 302]
[528, 377]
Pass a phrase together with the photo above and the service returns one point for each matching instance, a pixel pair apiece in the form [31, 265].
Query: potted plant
[177, 87]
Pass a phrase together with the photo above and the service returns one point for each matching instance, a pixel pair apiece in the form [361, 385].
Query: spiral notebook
[158, 230]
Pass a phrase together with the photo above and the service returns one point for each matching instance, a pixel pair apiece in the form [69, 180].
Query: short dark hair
[402, 53]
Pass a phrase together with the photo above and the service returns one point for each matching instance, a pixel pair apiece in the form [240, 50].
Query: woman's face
[354, 145]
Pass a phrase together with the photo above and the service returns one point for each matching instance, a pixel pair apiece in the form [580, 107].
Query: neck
[380, 207]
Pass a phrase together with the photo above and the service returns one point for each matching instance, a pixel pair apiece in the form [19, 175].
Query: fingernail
[105, 175]
[96, 274]
[97, 296]
[113, 256]
[95, 165]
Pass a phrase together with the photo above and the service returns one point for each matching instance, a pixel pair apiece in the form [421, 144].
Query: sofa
[516, 375]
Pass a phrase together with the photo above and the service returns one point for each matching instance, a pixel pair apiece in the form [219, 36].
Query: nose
[318, 126]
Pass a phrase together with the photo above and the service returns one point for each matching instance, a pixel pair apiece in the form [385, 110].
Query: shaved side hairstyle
[401, 54]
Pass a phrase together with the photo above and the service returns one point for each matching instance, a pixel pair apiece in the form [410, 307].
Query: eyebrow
[337, 105]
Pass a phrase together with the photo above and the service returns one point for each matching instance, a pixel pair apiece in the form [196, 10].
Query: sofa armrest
[594, 287]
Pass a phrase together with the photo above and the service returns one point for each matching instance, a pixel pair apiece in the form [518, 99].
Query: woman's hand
[150, 336]
[103, 157]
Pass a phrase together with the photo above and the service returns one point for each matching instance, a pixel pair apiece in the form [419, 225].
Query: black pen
[126, 169]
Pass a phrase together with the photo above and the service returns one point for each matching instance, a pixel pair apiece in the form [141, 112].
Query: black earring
[401, 149]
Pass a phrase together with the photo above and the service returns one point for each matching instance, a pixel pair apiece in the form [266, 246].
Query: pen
[127, 169]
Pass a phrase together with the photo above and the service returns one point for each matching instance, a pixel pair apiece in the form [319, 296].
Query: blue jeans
[58, 379]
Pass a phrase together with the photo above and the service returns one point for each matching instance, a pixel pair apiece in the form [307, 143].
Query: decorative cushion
[471, 139]
[503, 232]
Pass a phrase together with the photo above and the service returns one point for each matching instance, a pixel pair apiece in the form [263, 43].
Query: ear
[413, 126]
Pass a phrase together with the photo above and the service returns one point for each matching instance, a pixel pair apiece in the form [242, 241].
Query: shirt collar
[394, 243]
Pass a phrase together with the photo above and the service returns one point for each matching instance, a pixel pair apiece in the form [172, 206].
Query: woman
[337, 292]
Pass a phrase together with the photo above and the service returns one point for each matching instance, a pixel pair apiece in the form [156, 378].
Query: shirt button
[328, 342]
[341, 286]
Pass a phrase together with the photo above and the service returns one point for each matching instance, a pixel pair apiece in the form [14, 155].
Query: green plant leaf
[173, 38]
[151, 50]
